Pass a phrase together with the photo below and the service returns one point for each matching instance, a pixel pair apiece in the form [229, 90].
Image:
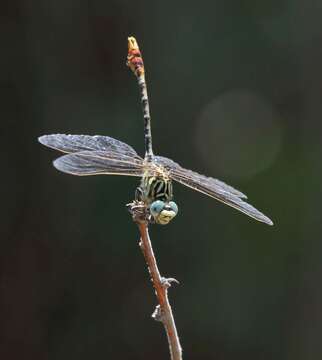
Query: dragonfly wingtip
[41, 139]
[55, 164]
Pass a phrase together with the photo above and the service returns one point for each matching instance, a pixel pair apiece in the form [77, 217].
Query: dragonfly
[102, 155]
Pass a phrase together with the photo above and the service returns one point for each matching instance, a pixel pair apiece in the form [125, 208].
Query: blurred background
[235, 90]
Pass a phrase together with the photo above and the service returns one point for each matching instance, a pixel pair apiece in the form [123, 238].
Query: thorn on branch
[166, 282]
[157, 313]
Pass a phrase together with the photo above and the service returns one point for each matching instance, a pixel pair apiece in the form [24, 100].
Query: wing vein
[99, 163]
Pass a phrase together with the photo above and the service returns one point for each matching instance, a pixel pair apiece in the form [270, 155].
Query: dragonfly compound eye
[174, 207]
[156, 207]
[163, 213]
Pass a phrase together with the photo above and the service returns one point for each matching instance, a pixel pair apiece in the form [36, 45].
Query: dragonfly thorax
[157, 192]
[156, 188]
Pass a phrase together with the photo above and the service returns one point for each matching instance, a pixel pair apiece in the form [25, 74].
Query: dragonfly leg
[140, 207]
[139, 211]
[151, 218]
[138, 194]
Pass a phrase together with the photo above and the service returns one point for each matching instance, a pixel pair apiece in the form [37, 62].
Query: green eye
[156, 207]
[174, 207]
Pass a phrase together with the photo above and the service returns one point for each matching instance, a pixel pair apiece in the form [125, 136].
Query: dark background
[235, 90]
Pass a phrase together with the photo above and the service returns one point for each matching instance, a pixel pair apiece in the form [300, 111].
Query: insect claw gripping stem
[138, 211]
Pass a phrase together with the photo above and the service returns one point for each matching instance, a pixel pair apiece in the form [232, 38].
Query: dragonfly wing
[76, 143]
[99, 163]
[213, 189]
[211, 182]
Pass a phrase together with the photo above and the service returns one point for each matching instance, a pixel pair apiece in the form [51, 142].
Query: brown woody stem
[163, 312]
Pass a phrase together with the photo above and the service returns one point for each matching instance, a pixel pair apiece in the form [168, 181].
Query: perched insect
[95, 155]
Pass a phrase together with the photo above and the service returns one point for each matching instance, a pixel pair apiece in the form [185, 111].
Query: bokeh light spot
[238, 134]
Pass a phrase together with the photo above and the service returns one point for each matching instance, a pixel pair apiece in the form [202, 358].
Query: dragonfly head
[163, 212]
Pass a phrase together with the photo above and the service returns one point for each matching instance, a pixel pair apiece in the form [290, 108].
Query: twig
[163, 311]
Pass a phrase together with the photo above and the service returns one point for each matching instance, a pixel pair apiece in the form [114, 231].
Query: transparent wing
[212, 188]
[76, 143]
[100, 163]
[211, 182]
